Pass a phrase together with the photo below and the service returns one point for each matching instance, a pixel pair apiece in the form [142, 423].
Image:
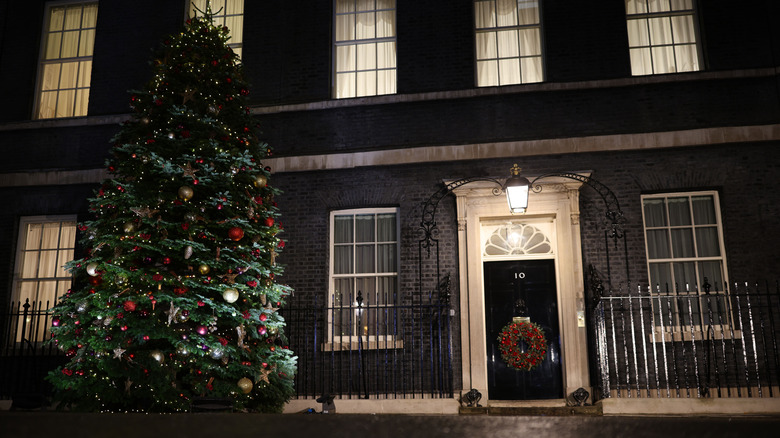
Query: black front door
[522, 288]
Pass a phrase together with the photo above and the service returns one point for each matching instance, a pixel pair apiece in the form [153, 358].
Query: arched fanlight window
[517, 239]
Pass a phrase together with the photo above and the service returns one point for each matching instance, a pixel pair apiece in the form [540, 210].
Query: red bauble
[95, 281]
[236, 233]
[129, 306]
[269, 222]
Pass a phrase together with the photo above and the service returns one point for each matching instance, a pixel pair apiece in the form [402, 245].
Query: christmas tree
[177, 298]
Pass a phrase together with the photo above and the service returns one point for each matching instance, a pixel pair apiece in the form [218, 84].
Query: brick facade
[588, 92]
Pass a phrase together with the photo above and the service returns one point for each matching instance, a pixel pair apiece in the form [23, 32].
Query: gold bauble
[260, 181]
[185, 193]
[204, 269]
[245, 385]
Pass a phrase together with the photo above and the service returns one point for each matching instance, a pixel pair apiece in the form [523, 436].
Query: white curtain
[682, 228]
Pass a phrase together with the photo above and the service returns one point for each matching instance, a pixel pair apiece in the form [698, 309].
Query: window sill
[352, 345]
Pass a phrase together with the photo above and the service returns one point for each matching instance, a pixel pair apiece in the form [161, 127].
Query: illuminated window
[365, 48]
[508, 42]
[228, 13]
[45, 245]
[364, 262]
[684, 244]
[66, 60]
[662, 36]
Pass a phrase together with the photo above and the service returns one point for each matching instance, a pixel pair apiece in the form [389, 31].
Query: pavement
[50, 424]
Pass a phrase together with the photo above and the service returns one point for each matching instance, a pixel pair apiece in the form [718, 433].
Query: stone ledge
[531, 411]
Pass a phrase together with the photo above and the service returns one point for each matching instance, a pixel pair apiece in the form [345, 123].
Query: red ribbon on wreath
[533, 335]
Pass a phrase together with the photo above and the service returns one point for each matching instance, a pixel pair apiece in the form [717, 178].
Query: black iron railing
[353, 348]
[688, 342]
[25, 353]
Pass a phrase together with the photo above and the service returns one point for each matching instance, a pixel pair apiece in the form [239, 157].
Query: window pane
[90, 15]
[484, 14]
[70, 44]
[658, 5]
[65, 101]
[366, 83]
[685, 275]
[530, 44]
[365, 25]
[507, 12]
[87, 42]
[686, 58]
[531, 69]
[29, 264]
[486, 45]
[636, 6]
[342, 229]
[345, 58]
[345, 6]
[68, 75]
[345, 85]
[528, 10]
[507, 44]
[53, 42]
[364, 258]
[637, 33]
[641, 62]
[655, 212]
[703, 210]
[85, 71]
[679, 212]
[82, 99]
[661, 276]
[73, 17]
[487, 73]
[386, 258]
[386, 227]
[51, 235]
[682, 27]
[386, 81]
[682, 243]
[365, 5]
[34, 233]
[342, 260]
[386, 55]
[56, 18]
[509, 71]
[47, 105]
[658, 244]
[713, 272]
[366, 57]
[707, 242]
[48, 264]
[236, 26]
[51, 77]
[385, 24]
[63, 257]
[345, 27]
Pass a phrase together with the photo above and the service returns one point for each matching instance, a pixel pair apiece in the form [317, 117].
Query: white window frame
[340, 341]
[645, 53]
[522, 61]
[682, 328]
[83, 65]
[62, 279]
[368, 44]
[228, 13]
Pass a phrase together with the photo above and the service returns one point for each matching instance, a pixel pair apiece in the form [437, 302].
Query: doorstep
[558, 411]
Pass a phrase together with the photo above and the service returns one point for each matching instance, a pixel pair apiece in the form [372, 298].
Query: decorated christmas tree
[177, 296]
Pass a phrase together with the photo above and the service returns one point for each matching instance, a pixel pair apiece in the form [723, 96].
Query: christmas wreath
[533, 336]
